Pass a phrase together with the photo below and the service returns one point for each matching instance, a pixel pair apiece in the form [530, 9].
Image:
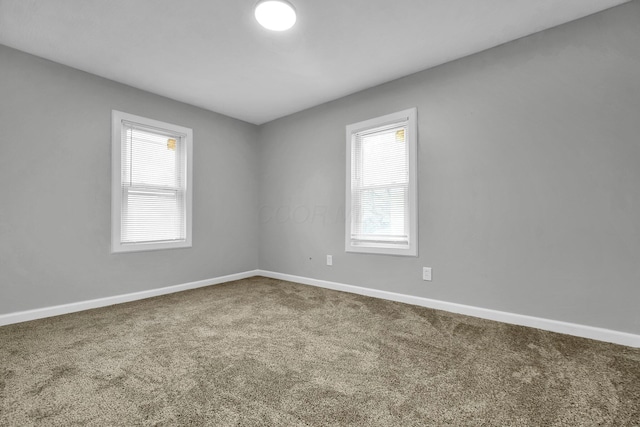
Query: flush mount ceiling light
[275, 15]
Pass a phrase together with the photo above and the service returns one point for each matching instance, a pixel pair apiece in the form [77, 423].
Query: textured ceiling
[212, 53]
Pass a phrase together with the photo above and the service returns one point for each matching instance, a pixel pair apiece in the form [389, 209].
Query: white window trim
[117, 117]
[352, 130]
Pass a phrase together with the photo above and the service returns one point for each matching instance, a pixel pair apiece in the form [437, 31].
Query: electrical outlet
[329, 259]
[426, 273]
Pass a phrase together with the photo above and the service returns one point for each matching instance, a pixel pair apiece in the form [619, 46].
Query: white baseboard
[39, 313]
[600, 334]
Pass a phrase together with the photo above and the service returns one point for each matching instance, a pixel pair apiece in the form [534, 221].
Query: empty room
[320, 213]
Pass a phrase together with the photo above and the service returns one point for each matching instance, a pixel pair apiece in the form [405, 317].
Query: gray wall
[529, 179]
[55, 169]
[529, 182]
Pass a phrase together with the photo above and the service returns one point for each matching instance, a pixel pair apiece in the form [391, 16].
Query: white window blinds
[381, 189]
[379, 186]
[153, 185]
[152, 192]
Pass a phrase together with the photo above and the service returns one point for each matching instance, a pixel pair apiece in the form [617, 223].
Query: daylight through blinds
[380, 186]
[153, 185]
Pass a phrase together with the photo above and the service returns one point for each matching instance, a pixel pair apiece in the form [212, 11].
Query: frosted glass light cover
[275, 15]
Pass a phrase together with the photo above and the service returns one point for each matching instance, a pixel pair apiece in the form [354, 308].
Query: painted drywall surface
[55, 154]
[529, 179]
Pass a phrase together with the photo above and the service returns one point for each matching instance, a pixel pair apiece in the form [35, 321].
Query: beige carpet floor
[263, 352]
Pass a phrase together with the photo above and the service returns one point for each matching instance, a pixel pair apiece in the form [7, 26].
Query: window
[382, 185]
[151, 184]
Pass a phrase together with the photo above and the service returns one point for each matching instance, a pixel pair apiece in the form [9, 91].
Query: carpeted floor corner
[264, 352]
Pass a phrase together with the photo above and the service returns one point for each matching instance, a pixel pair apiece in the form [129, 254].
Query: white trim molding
[39, 313]
[357, 240]
[591, 332]
[584, 331]
[182, 189]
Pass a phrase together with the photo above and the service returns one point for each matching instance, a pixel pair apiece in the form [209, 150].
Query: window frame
[117, 119]
[409, 116]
